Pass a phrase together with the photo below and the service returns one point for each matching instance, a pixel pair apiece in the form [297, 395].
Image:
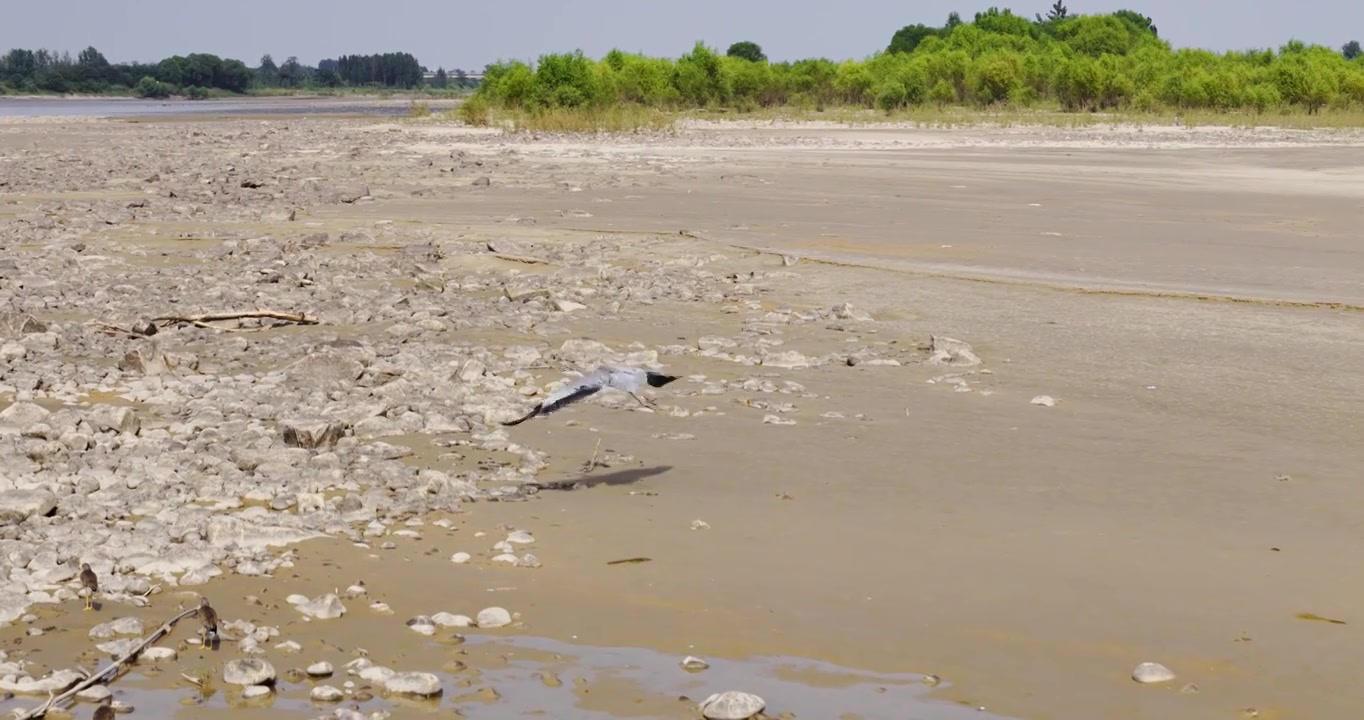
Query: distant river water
[115, 107]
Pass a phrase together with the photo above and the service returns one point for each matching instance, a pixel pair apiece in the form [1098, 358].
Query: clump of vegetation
[475, 111]
[1000, 61]
[418, 109]
[150, 87]
[194, 92]
[612, 119]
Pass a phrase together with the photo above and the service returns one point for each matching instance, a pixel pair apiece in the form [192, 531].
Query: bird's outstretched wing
[585, 386]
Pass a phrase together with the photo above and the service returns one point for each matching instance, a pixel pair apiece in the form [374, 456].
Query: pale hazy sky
[470, 34]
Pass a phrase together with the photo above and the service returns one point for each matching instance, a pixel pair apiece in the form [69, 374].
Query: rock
[158, 653]
[482, 181]
[1149, 672]
[694, 664]
[732, 705]
[846, 311]
[1044, 401]
[119, 648]
[461, 557]
[24, 415]
[520, 537]
[323, 607]
[422, 624]
[115, 418]
[950, 351]
[326, 693]
[789, 359]
[121, 626]
[255, 691]
[146, 359]
[320, 669]
[493, 617]
[350, 193]
[19, 505]
[95, 693]
[418, 684]
[53, 683]
[445, 619]
[314, 433]
[248, 671]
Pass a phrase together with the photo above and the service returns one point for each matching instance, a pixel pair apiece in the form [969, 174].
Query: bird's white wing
[573, 392]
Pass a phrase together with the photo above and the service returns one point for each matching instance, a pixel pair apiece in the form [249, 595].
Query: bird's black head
[658, 380]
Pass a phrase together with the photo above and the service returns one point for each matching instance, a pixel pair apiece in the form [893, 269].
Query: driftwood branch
[206, 318]
[108, 672]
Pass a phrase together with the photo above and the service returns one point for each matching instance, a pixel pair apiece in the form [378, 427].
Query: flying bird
[626, 379]
[89, 585]
[208, 620]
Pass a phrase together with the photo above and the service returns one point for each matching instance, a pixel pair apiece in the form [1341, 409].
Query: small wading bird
[208, 620]
[89, 585]
[625, 379]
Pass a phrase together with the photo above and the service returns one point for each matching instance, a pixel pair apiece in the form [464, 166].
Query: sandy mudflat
[1190, 298]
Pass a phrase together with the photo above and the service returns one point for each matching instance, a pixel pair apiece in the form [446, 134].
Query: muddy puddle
[535, 677]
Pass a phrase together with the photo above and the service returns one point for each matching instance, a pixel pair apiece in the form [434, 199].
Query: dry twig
[206, 318]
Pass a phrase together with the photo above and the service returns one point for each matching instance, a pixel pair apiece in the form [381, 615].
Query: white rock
[26, 503]
[296, 599]
[1044, 401]
[422, 624]
[732, 705]
[95, 693]
[54, 682]
[950, 351]
[421, 684]
[119, 648]
[445, 619]
[493, 617]
[461, 557]
[323, 607]
[694, 664]
[255, 691]
[248, 671]
[326, 693]
[159, 653]
[507, 558]
[121, 626]
[1149, 672]
[320, 669]
[520, 537]
[288, 646]
[377, 673]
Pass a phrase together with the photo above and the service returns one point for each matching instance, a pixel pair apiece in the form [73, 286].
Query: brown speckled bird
[91, 583]
[208, 619]
[105, 711]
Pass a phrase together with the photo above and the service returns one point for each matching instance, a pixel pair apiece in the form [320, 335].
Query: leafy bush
[194, 92]
[1081, 63]
[150, 87]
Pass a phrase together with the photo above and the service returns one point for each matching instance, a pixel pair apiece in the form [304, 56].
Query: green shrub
[150, 87]
[1083, 63]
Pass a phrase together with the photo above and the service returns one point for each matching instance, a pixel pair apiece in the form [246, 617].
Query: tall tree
[268, 72]
[1057, 13]
[747, 50]
[1351, 50]
[441, 80]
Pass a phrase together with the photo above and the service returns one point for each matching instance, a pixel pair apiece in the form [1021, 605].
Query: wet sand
[1194, 310]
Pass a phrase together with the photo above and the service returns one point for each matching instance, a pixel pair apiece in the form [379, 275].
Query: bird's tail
[658, 380]
[527, 416]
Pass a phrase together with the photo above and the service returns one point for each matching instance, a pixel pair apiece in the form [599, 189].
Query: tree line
[1079, 62]
[197, 74]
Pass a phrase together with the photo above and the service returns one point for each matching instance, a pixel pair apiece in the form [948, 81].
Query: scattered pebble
[1044, 401]
[1150, 672]
[732, 705]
